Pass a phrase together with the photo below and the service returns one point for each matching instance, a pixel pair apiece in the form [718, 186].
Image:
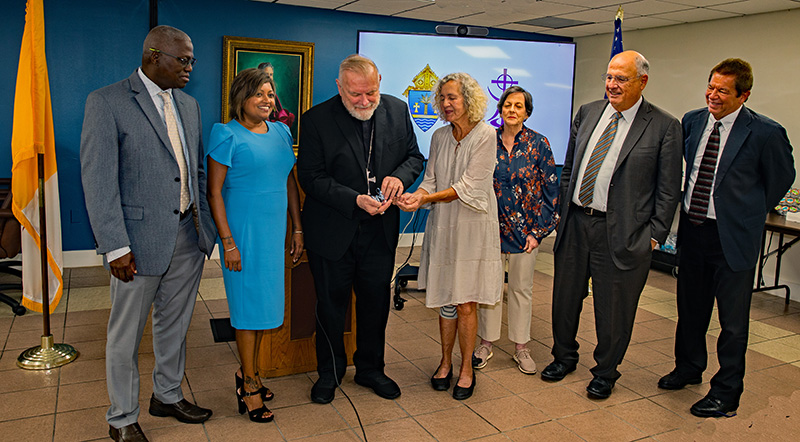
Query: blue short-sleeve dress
[255, 199]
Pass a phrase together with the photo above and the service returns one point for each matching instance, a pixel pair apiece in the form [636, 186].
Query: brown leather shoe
[128, 433]
[184, 411]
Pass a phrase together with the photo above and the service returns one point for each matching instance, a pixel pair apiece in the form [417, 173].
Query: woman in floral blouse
[526, 186]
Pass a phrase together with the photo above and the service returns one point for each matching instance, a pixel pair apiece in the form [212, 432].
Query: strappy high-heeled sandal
[256, 415]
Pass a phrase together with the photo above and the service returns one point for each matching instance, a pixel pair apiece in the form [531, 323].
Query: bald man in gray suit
[145, 190]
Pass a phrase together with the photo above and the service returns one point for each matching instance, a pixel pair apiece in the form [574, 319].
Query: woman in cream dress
[460, 264]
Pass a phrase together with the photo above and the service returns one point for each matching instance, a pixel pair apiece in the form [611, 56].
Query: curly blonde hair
[474, 97]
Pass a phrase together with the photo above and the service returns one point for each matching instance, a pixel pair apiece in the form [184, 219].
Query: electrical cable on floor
[335, 377]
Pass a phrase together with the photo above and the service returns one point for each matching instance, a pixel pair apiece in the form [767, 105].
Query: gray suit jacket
[130, 176]
[645, 186]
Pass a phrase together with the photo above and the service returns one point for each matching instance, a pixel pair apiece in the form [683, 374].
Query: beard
[362, 113]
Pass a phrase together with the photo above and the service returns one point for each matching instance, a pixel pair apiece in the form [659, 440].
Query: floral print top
[526, 186]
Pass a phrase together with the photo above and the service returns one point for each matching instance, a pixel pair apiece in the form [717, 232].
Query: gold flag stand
[48, 355]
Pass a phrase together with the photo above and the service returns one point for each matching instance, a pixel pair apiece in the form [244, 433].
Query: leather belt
[188, 212]
[588, 210]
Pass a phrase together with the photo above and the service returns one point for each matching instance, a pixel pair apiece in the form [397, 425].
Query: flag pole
[48, 355]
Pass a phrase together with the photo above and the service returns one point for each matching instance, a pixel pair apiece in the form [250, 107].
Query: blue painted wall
[93, 43]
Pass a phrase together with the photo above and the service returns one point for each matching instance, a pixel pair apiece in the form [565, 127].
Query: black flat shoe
[556, 371]
[600, 388]
[266, 394]
[442, 384]
[710, 406]
[676, 381]
[324, 390]
[256, 415]
[461, 393]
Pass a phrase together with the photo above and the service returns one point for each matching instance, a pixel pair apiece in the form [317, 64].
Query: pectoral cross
[370, 177]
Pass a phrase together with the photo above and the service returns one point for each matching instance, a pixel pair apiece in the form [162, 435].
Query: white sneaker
[481, 356]
[524, 361]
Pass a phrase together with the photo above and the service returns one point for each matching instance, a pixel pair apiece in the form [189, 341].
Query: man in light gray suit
[145, 190]
[619, 189]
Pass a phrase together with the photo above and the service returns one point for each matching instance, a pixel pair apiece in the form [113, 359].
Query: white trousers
[520, 267]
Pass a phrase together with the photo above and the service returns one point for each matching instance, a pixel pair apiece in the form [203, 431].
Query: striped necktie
[698, 206]
[586, 195]
[177, 147]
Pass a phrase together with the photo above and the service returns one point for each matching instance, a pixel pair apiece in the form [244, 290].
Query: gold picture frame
[293, 64]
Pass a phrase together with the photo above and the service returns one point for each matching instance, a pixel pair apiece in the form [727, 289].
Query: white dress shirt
[603, 180]
[726, 124]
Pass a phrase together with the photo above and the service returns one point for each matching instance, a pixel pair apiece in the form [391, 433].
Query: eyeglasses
[182, 60]
[618, 78]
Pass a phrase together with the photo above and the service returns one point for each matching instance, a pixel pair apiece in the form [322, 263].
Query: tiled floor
[69, 403]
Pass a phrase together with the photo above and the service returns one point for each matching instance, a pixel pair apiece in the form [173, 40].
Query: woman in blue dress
[250, 186]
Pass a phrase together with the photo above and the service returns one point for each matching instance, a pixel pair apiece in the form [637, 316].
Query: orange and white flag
[33, 134]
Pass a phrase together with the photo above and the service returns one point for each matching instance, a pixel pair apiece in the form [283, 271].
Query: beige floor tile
[89, 298]
[776, 349]
[558, 402]
[213, 289]
[85, 424]
[336, 436]
[236, 428]
[415, 311]
[647, 416]
[178, 433]
[371, 409]
[25, 380]
[33, 429]
[83, 395]
[422, 348]
[767, 331]
[308, 420]
[600, 425]
[29, 403]
[84, 370]
[509, 413]
[620, 394]
[551, 431]
[423, 399]
[221, 401]
[455, 424]
[400, 430]
[405, 373]
[644, 356]
[517, 382]
[210, 355]
[211, 377]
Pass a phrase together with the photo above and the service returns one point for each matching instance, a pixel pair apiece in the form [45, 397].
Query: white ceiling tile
[646, 22]
[694, 15]
[582, 31]
[523, 28]
[594, 16]
[595, 3]
[648, 7]
[758, 6]
[383, 7]
[697, 3]
[433, 13]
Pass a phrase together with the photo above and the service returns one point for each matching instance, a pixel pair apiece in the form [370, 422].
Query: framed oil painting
[292, 66]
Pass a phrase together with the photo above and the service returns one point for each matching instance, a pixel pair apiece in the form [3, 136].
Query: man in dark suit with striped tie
[619, 189]
[738, 166]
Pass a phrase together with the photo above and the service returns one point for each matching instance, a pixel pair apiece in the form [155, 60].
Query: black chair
[10, 245]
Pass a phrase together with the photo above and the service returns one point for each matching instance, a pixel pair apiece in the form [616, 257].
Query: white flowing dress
[460, 260]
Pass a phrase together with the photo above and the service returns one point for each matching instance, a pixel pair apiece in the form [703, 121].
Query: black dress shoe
[381, 384]
[461, 393]
[600, 388]
[128, 433]
[323, 390]
[184, 411]
[442, 384]
[556, 371]
[676, 381]
[710, 406]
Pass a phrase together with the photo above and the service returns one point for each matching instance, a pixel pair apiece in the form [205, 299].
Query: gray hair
[474, 97]
[642, 65]
[161, 35]
[358, 64]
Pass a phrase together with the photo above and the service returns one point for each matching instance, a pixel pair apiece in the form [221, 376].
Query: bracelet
[231, 249]
[298, 231]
